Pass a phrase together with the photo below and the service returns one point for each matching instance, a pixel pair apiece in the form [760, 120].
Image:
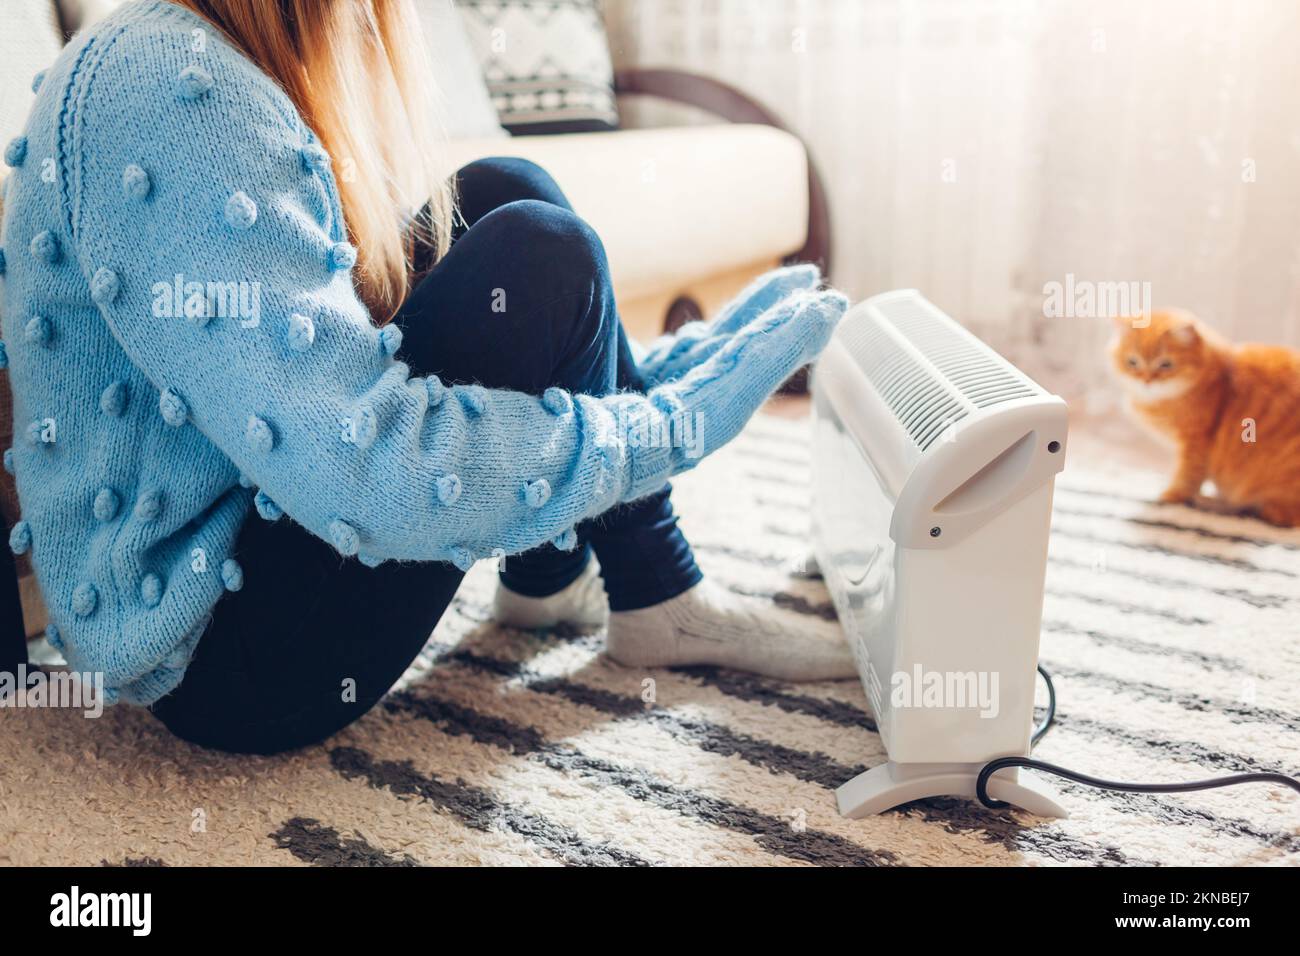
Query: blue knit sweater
[184, 344]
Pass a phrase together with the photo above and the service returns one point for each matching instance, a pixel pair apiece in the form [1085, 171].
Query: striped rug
[1172, 635]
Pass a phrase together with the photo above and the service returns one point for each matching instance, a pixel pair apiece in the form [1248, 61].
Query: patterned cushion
[546, 63]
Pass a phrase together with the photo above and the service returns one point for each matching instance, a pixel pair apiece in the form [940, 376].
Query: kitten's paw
[1175, 495]
[1216, 506]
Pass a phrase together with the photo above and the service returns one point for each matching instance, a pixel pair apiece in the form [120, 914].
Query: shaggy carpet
[1172, 635]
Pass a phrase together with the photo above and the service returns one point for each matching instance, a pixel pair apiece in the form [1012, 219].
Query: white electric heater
[934, 464]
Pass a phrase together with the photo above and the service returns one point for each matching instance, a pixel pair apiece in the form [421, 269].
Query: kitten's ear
[1185, 334]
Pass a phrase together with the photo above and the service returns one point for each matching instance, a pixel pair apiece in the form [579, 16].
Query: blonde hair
[358, 73]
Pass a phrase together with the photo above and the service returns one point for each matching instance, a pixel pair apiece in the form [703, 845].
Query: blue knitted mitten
[710, 403]
[672, 356]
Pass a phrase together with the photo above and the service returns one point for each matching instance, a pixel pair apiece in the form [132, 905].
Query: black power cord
[993, 766]
[1041, 730]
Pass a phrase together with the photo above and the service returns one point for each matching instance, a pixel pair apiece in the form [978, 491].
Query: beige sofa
[687, 214]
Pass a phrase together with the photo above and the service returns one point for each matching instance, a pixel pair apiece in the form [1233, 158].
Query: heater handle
[979, 468]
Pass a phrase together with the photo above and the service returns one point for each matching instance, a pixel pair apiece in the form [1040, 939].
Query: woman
[216, 302]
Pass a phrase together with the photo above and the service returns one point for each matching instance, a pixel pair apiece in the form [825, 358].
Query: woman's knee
[558, 262]
[538, 276]
[487, 184]
[551, 242]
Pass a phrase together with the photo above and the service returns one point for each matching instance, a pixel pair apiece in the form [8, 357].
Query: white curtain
[979, 149]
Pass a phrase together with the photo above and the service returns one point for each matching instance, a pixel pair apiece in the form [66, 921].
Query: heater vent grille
[954, 374]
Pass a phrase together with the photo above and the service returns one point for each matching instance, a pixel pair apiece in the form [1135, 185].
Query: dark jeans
[312, 641]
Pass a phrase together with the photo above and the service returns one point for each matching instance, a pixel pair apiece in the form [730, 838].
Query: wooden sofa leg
[684, 309]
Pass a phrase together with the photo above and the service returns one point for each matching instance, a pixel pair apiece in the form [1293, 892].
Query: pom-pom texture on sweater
[160, 187]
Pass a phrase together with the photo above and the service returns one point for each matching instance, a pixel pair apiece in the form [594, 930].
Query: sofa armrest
[729, 103]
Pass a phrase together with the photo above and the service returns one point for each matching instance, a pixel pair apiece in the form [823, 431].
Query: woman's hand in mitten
[708, 406]
[672, 356]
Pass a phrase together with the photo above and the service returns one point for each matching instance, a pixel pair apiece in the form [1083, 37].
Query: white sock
[710, 625]
[581, 604]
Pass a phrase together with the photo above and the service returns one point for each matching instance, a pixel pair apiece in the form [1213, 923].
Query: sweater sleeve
[207, 224]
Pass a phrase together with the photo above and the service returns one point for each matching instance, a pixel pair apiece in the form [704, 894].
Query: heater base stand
[890, 784]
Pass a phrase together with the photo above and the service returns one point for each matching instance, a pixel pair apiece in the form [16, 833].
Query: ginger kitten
[1233, 412]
